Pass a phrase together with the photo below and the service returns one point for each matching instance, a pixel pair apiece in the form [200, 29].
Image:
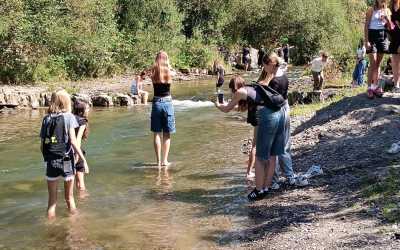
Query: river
[196, 204]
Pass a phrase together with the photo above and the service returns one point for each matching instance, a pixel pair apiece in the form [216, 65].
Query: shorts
[379, 42]
[79, 167]
[56, 169]
[270, 134]
[162, 115]
[220, 82]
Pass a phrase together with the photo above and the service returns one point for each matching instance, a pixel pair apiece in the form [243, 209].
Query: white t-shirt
[377, 22]
[361, 52]
[317, 65]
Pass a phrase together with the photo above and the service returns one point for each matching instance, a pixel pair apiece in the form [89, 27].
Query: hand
[85, 165]
[367, 45]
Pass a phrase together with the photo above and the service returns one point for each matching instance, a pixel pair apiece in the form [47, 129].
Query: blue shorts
[271, 133]
[162, 116]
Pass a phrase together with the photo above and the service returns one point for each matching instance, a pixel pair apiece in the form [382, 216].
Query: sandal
[256, 195]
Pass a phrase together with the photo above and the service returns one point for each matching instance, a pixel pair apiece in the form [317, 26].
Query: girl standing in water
[81, 112]
[162, 112]
[57, 141]
[376, 43]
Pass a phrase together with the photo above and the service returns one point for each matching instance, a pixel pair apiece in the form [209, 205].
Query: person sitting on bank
[317, 69]
[137, 87]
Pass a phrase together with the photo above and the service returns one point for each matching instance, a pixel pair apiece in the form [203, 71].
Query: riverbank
[347, 207]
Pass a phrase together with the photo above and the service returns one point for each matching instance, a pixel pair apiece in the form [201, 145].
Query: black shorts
[394, 41]
[79, 166]
[379, 41]
[58, 168]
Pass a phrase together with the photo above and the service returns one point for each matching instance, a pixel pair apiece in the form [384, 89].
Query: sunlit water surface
[195, 204]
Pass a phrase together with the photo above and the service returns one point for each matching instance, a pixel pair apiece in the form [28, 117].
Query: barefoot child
[57, 140]
[81, 112]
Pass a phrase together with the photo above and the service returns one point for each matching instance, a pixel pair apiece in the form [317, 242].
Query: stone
[123, 100]
[184, 71]
[2, 98]
[102, 100]
[296, 97]
[34, 101]
[83, 98]
[11, 99]
[135, 99]
[314, 97]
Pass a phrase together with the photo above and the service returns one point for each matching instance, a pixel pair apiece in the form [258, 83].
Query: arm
[241, 94]
[77, 149]
[41, 145]
[80, 135]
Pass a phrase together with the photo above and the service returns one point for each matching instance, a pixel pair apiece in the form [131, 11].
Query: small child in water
[81, 112]
[58, 140]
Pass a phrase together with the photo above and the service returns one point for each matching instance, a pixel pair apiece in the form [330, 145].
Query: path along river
[196, 204]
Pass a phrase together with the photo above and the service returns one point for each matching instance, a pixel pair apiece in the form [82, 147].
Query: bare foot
[166, 164]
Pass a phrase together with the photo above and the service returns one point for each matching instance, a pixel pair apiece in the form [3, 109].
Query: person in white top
[377, 22]
[317, 68]
[359, 71]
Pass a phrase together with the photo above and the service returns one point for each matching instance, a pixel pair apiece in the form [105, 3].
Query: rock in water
[102, 100]
[83, 98]
[123, 100]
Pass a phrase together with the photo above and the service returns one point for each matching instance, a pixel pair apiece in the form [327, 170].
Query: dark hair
[236, 83]
[79, 110]
[143, 73]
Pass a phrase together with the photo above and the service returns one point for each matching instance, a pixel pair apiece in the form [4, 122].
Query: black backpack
[270, 97]
[54, 146]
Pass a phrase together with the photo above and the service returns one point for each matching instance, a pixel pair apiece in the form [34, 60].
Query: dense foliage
[43, 40]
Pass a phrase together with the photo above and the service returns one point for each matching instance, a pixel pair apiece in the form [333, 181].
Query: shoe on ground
[275, 186]
[255, 195]
[378, 92]
[394, 149]
[370, 93]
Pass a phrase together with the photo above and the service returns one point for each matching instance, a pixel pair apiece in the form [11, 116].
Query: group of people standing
[382, 36]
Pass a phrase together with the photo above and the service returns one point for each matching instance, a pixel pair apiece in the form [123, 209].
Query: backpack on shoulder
[270, 97]
[54, 146]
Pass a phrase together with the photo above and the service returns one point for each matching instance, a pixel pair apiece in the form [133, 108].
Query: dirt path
[349, 140]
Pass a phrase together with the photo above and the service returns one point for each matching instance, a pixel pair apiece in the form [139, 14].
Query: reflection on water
[132, 204]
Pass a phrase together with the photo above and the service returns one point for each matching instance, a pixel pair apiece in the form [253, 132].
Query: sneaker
[378, 92]
[394, 149]
[255, 195]
[275, 186]
[370, 93]
[314, 170]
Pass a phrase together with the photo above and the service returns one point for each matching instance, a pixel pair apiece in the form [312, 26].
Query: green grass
[385, 193]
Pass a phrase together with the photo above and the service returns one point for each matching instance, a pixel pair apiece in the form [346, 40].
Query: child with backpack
[58, 143]
[81, 112]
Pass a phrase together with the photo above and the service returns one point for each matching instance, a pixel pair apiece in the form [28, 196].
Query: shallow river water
[195, 204]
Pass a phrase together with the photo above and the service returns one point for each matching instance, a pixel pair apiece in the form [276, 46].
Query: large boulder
[11, 98]
[314, 97]
[82, 98]
[123, 100]
[296, 97]
[102, 100]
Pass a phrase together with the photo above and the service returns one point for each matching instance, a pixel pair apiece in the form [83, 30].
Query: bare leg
[269, 173]
[165, 148]
[371, 68]
[379, 58]
[145, 98]
[252, 159]
[396, 70]
[157, 147]
[51, 207]
[260, 166]
[69, 195]
[80, 181]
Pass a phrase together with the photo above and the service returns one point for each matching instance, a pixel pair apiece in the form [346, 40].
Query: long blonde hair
[161, 72]
[272, 57]
[60, 102]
